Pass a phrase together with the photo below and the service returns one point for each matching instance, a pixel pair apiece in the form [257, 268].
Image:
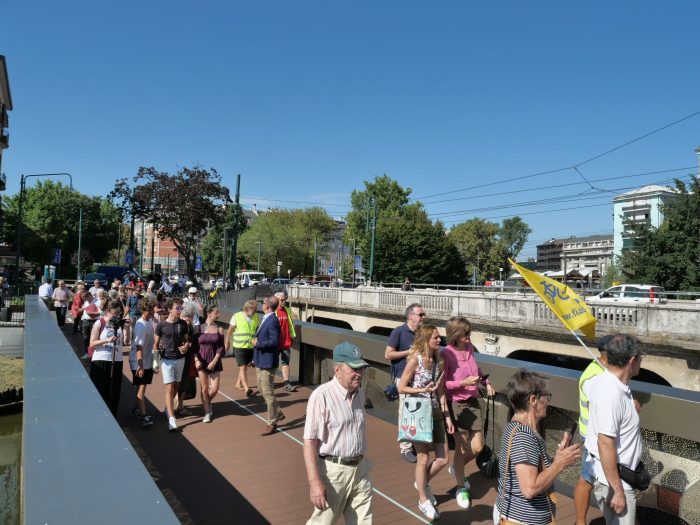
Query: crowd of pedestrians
[181, 340]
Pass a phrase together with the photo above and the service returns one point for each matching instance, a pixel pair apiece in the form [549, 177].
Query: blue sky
[307, 99]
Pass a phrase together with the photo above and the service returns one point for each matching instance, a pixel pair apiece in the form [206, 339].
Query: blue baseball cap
[349, 354]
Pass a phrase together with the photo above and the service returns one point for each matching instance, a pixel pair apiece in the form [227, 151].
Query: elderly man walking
[613, 437]
[61, 296]
[335, 444]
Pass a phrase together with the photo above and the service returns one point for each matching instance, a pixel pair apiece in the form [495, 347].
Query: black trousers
[61, 315]
[87, 329]
[108, 381]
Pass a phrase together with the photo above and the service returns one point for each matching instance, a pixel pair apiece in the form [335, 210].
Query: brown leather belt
[349, 462]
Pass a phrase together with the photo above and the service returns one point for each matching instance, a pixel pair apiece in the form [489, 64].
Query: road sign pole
[80, 241]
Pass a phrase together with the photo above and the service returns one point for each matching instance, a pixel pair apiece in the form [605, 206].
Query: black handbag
[638, 478]
[391, 392]
[487, 460]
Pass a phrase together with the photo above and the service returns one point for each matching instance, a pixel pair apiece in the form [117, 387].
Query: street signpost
[330, 270]
[129, 257]
[358, 262]
[198, 264]
[56, 256]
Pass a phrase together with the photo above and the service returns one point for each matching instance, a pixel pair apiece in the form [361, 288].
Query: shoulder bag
[416, 422]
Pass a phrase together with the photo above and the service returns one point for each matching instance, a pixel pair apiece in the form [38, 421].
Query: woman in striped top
[423, 377]
[527, 472]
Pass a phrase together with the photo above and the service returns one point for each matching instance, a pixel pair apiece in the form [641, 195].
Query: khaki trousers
[603, 495]
[348, 492]
[266, 385]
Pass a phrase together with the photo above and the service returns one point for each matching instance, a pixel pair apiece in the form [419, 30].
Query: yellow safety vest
[245, 330]
[292, 332]
[592, 370]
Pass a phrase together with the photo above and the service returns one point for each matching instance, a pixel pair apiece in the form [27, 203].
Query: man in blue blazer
[266, 359]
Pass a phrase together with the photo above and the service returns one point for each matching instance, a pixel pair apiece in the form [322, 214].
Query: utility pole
[131, 237]
[223, 260]
[80, 241]
[234, 244]
[258, 243]
[314, 275]
[153, 246]
[119, 242]
[141, 253]
[374, 229]
[353, 261]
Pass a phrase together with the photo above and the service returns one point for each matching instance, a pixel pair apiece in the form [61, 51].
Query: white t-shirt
[94, 290]
[612, 413]
[104, 352]
[144, 336]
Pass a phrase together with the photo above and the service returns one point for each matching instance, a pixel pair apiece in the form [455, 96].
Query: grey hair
[113, 294]
[621, 348]
[410, 308]
[188, 309]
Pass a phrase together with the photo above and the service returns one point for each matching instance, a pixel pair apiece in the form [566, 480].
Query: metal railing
[669, 417]
[74, 454]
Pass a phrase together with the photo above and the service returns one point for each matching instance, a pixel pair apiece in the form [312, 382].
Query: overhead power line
[566, 168]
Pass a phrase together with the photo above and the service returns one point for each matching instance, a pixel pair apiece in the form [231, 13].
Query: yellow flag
[571, 310]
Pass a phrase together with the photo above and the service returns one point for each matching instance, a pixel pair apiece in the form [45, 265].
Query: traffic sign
[56, 256]
[358, 262]
[129, 257]
[198, 264]
[330, 270]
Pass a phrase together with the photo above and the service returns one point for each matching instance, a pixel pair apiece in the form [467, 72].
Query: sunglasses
[421, 315]
[178, 308]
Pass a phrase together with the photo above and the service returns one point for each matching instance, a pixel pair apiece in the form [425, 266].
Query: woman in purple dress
[207, 359]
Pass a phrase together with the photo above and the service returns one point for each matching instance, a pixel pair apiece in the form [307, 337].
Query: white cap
[192, 290]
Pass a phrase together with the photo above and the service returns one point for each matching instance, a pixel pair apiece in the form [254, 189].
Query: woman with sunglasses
[422, 377]
[462, 379]
[527, 472]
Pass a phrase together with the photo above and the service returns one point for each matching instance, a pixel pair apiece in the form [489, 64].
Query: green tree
[182, 205]
[407, 242]
[669, 255]
[212, 247]
[512, 236]
[51, 214]
[476, 241]
[287, 236]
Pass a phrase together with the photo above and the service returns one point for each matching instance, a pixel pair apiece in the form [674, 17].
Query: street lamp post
[500, 277]
[259, 243]
[22, 185]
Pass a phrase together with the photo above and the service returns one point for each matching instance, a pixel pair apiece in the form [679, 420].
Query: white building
[640, 206]
[587, 253]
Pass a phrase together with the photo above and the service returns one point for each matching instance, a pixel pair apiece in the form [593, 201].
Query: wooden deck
[225, 472]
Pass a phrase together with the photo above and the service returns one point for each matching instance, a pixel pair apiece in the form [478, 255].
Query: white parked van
[253, 277]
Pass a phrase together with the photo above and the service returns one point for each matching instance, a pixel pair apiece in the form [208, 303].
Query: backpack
[90, 349]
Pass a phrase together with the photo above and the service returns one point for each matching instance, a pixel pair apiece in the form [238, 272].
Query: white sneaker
[207, 418]
[463, 499]
[428, 492]
[172, 424]
[428, 510]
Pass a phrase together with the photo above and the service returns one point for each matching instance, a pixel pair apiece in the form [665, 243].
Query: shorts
[145, 380]
[244, 356]
[439, 431]
[466, 415]
[285, 355]
[585, 467]
[172, 370]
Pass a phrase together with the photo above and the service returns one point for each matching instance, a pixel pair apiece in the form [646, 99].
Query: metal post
[234, 244]
[153, 246]
[131, 239]
[80, 241]
[143, 228]
[374, 229]
[354, 251]
[258, 243]
[314, 275]
[119, 243]
[223, 261]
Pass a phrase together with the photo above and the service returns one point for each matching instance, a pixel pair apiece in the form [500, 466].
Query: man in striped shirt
[335, 444]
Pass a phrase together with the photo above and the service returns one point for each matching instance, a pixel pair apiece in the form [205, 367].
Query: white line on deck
[388, 498]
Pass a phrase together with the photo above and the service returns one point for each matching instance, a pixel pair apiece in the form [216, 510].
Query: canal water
[10, 468]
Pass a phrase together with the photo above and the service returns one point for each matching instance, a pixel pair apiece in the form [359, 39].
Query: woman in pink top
[462, 378]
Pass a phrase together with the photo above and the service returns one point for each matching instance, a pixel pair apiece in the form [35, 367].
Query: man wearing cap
[287, 335]
[335, 444]
[192, 298]
[582, 492]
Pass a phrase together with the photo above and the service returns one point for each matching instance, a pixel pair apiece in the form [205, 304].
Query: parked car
[90, 278]
[631, 293]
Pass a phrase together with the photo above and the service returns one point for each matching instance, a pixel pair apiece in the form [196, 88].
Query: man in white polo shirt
[613, 430]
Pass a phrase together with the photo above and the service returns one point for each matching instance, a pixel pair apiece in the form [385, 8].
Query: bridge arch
[331, 322]
[578, 363]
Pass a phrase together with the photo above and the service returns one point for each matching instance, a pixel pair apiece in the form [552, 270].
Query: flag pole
[586, 348]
